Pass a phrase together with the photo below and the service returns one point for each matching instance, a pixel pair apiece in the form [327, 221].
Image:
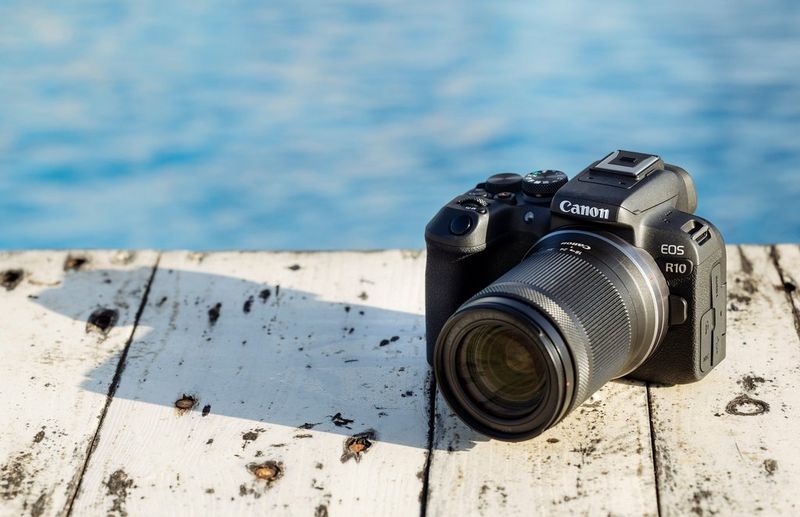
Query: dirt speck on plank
[294, 267]
[13, 475]
[248, 305]
[251, 436]
[340, 421]
[214, 313]
[751, 382]
[357, 445]
[11, 278]
[770, 466]
[118, 485]
[39, 436]
[206, 409]
[321, 511]
[102, 320]
[39, 507]
[264, 295]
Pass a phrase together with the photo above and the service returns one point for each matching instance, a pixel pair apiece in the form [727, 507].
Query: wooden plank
[728, 444]
[280, 358]
[597, 461]
[56, 368]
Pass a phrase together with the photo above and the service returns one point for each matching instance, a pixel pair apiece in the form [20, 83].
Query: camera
[540, 289]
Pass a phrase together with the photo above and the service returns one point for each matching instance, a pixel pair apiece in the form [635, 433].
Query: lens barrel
[581, 309]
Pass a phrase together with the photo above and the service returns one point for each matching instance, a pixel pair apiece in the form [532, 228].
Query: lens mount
[504, 368]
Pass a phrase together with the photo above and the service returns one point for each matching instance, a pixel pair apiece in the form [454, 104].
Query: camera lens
[500, 369]
[581, 309]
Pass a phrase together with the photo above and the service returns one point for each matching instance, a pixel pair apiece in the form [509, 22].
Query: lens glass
[502, 370]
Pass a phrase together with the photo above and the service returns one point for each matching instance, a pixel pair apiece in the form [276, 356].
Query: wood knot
[75, 263]
[11, 278]
[102, 320]
[269, 471]
[357, 445]
[186, 402]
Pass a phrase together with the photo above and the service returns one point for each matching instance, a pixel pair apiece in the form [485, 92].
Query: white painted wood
[597, 461]
[342, 336]
[54, 375]
[719, 450]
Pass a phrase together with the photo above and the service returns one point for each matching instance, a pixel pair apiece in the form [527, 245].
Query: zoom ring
[584, 304]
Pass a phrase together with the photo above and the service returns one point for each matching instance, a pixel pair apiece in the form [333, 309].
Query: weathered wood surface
[305, 391]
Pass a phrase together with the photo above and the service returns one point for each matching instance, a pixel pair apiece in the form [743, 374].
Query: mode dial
[543, 183]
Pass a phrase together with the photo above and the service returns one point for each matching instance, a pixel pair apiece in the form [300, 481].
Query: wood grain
[728, 444]
[56, 368]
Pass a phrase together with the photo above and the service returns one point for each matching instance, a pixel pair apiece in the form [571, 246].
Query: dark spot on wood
[318, 466]
[38, 437]
[363, 295]
[747, 266]
[300, 436]
[185, 403]
[38, 508]
[251, 436]
[118, 485]
[11, 278]
[75, 263]
[206, 409]
[294, 267]
[407, 393]
[269, 471]
[383, 342]
[552, 440]
[162, 301]
[210, 441]
[347, 308]
[394, 338]
[248, 305]
[264, 295]
[213, 314]
[751, 382]
[308, 425]
[351, 360]
[13, 475]
[789, 287]
[744, 405]
[770, 466]
[340, 421]
[357, 445]
[102, 320]
[321, 511]
[209, 490]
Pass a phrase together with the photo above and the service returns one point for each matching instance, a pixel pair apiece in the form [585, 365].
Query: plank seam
[774, 254]
[112, 389]
[653, 448]
[423, 510]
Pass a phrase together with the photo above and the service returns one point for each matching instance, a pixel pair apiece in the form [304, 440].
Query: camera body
[482, 234]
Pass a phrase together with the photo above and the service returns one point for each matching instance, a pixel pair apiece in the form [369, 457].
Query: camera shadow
[265, 354]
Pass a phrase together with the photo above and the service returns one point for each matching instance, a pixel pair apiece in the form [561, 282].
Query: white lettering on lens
[585, 210]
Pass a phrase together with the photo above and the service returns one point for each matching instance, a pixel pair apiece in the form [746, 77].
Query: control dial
[505, 182]
[543, 183]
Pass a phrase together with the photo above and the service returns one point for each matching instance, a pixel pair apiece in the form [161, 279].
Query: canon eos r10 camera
[539, 290]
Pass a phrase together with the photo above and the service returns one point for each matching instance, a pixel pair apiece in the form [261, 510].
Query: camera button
[678, 310]
[506, 197]
[461, 224]
[706, 337]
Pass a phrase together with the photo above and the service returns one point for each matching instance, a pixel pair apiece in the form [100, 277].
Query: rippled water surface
[308, 124]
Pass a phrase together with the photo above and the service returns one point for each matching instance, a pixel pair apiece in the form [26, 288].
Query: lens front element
[501, 371]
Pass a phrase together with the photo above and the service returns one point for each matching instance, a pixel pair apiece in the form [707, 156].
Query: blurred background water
[311, 124]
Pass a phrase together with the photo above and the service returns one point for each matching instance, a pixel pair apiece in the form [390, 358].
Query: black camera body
[637, 198]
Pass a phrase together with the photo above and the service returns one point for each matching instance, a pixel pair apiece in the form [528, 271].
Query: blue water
[310, 124]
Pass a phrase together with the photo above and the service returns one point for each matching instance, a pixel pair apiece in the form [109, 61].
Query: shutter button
[460, 224]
